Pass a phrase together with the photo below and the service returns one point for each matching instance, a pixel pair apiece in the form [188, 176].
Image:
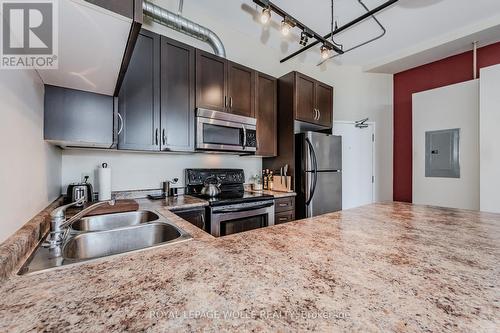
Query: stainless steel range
[233, 210]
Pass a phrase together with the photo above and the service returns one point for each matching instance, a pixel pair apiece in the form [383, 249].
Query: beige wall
[357, 94]
[30, 169]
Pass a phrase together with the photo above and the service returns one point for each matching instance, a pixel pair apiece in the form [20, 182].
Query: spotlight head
[265, 17]
[285, 27]
[325, 52]
[303, 38]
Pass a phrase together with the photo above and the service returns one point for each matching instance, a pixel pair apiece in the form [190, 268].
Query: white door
[357, 163]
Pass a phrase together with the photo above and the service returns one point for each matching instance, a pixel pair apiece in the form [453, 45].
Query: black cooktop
[231, 186]
[231, 198]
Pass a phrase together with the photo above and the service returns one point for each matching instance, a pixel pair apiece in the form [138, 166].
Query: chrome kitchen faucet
[59, 224]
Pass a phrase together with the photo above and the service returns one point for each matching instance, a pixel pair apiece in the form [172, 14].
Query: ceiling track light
[304, 37]
[265, 17]
[286, 26]
[325, 52]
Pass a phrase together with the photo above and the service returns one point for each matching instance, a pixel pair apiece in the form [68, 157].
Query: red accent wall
[441, 73]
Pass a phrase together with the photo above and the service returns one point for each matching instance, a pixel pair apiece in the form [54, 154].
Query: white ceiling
[413, 27]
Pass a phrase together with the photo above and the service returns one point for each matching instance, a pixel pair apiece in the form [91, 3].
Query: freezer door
[328, 149]
[327, 196]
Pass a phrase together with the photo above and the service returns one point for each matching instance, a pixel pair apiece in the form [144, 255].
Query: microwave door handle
[244, 136]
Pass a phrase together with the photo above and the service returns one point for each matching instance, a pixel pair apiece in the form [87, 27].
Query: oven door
[231, 219]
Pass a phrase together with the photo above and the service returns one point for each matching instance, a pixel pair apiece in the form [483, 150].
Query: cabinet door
[78, 118]
[211, 77]
[194, 216]
[267, 131]
[324, 104]
[139, 97]
[177, 96]
[305, 101]
[241, 90]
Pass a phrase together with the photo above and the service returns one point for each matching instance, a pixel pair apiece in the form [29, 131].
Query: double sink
[105, 235]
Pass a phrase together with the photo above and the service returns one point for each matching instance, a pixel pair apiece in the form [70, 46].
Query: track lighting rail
[337, 31]
[294, 22]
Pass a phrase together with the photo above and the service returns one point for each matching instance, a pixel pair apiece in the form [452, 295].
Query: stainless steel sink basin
[114, 221]
[106, 235]
[105, 243]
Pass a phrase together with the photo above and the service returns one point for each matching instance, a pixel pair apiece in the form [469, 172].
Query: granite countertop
[276, 194]
[382, 267]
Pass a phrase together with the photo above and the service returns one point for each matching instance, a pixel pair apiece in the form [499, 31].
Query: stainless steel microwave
[220, 131]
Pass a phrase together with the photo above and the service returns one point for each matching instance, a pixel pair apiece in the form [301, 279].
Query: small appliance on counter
[167, 190]
[231, 210]
[76, 191]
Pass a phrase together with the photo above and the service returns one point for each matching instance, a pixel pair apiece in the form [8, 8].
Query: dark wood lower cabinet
[284, 209]
[284, 217]
[194, 216]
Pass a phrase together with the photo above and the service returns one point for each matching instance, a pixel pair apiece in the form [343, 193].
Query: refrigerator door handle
[314, 171]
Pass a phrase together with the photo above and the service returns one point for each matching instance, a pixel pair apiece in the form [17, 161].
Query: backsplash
[139, 171]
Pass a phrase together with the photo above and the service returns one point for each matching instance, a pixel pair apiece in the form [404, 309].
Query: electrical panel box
[442, 153]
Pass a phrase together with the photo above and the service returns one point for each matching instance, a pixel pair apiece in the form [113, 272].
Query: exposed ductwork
[182, 24]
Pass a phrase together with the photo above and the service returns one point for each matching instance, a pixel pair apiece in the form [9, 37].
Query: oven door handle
[237, 210]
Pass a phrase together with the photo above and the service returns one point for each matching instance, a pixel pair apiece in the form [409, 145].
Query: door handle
[319, 114]
[164, 137]
[315, 172]
[230, 102]
[156, 136]
[121, 123]
[244, 136]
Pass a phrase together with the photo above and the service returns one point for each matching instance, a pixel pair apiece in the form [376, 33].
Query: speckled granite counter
[275, 194]
[385, 267]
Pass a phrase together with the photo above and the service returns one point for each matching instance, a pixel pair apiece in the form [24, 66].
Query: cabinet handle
[225, 101]
[230, 102]
[156, 136]
[315, 114]
[164, 137]
[283, 219]
[121, 123]
[319, 114]
[282, 205]
[203, 220]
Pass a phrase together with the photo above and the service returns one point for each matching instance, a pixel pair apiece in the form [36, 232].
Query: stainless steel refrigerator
[318, 165]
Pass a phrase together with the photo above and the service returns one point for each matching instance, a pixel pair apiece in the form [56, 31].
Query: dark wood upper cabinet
[313, 100]
[305, 101]
[211, 81]
[266, 113]
[177, 96]
[241, 90]
[139, 97]
[222, 85]
[324, 104]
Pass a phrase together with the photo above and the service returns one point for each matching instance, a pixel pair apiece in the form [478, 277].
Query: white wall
[454, 106]
[30, 169]
[357, 94]
[490, 138]
[136, 171]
